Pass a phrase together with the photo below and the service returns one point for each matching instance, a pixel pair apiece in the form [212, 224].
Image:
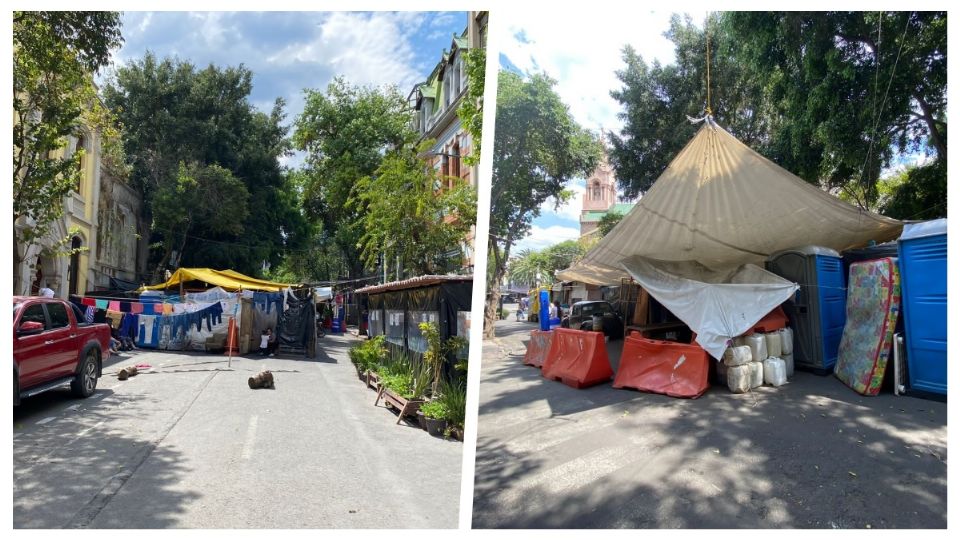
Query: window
[75, 264]
[81, 145]
[455, 160]
[34, 313]
[58, 315]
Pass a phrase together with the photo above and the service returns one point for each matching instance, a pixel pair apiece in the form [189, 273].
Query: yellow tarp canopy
[226, 279]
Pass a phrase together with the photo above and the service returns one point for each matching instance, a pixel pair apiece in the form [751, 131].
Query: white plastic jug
[758, 346]
[738, 378]
[773, 344]
[756, 374]
[788, 360]
[774, 371]
[737, 356]
[786, 340]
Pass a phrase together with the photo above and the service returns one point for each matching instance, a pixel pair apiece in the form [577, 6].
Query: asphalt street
[186, 444]
[810, 454]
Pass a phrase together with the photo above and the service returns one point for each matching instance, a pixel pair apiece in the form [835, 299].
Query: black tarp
[296, 326]
[401, 311]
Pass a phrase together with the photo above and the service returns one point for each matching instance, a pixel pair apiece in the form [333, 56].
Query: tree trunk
[935, 136]
[491, 306]
[17, 261]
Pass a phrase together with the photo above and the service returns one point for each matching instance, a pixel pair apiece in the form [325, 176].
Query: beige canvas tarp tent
[720, 205]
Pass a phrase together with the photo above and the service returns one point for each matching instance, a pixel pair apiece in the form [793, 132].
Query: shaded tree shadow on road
[810, 454]
[65, 474]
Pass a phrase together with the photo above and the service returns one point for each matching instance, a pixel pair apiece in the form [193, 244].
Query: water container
[737, 356]
[786, 341]
[773, 343]
[756, 374]
[739, 378]
[758, 346]
[817, 312]
[774, 371]
[788, 360]
[923, 275]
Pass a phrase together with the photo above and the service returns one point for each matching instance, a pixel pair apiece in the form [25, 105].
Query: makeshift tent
[396, 309]
[225, 279]
[720, 205]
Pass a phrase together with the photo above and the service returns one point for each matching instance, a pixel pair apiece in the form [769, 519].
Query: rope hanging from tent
[706, 29]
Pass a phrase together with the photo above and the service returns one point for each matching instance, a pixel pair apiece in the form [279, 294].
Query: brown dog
[264, 379]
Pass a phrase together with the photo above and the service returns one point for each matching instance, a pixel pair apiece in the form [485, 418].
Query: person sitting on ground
[264, 342]
[271, 342]
[114, 342]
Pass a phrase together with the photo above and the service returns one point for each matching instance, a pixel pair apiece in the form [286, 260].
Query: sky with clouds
[290, 51]
[581, 49]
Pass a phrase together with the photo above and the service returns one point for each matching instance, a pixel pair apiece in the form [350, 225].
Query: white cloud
[541, 237]
[570, 210]
[355, 45]
[582, 50]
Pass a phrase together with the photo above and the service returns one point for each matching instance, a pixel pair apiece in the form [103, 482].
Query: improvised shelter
[718, 210]
[396, 309]
[228, 280]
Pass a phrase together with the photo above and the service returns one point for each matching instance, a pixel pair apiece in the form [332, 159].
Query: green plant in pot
[368, 355]
[435, 413]
[454, 398]
[438, 350]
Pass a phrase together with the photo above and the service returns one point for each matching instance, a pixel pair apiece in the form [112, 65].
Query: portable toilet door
[817, 312]
[923, 283]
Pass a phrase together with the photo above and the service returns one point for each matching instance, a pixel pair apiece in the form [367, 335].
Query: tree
[608, 222]
[832, 97]
[853, 89]
[413, 213]
[204, 198]
[175, 112]
[55, 57]
[471, 110]
[346, 132]
[538, 147]
[539, 267]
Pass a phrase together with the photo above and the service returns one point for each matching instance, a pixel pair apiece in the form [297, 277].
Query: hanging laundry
[114, 305]
[114, 317]
[129, 327]
[148, 309]
[102, 304]
[88, 316]
[89, 301]
[167, 309]
[125, 307]
[136, 307]
[148, 331]
[100, 316]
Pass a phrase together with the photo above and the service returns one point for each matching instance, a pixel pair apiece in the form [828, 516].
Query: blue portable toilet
[818, 311]
[923, 288]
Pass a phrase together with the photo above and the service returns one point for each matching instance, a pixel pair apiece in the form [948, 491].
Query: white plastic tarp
[322, 293]
[717, 305]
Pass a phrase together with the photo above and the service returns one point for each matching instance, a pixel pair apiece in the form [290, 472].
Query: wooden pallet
[405, 406]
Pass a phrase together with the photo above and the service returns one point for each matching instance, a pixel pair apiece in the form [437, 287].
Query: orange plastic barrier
[663, 367]
[774, 320]
[577, 358]
[538, 347]
[231, 345]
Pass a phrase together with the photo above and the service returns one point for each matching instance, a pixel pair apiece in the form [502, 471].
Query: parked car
[53, 346]
[581, 318]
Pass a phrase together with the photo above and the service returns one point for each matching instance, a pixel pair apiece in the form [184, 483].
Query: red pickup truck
[53, 346]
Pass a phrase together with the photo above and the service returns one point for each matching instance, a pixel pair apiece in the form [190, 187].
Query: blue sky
[585, 68]
[290, 51]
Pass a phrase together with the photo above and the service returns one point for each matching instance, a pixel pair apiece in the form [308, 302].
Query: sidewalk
[812, 453]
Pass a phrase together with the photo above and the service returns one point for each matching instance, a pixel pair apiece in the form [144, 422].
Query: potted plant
[454, 399]
[404, 388]
[367, 356]
[434, 413]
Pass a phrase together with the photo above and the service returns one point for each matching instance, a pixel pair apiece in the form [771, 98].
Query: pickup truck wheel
[85, 382]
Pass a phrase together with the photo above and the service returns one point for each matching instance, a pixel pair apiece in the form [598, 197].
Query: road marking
[251, 434]
[46, 420]
[88, 430]
[73, 407]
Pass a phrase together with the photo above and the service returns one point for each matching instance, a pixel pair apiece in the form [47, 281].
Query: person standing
[264, 342]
